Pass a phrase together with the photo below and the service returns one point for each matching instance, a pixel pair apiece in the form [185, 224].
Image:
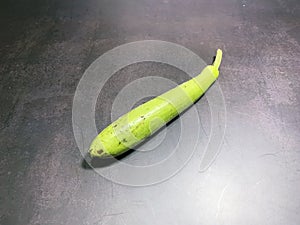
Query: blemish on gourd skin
[100, 151]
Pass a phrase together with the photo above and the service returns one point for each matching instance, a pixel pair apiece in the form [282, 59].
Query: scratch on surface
[226, 142]
[202, 127]
[100, 221]
[81, 134]
[269, 154]
[152, 210]
[113, 214]
[285, 152]
[257, 183]
[242, 113]
[221, 199]
[112, 188]
[272, 118]
[123, 221]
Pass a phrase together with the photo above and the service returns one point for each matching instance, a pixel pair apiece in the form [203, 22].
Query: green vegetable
[141, 122]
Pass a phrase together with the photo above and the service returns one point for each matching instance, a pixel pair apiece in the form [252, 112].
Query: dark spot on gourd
[120, 142]
[100, 151]
[124, 140]
[115, 125]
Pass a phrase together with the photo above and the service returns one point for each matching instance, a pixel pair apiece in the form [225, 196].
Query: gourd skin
[141, 122]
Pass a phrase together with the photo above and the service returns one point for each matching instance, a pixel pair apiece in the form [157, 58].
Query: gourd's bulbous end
[97, 149]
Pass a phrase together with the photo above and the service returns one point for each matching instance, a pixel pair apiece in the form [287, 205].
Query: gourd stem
[218, 59]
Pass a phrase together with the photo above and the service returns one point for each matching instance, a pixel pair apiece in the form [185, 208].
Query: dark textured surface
[47, 45]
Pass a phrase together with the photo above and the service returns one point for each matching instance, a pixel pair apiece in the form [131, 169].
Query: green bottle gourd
[144, 120]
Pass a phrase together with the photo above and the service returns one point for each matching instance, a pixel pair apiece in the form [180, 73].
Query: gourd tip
[218, 59]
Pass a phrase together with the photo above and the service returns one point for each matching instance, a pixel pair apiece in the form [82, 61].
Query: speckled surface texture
[47, 45]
